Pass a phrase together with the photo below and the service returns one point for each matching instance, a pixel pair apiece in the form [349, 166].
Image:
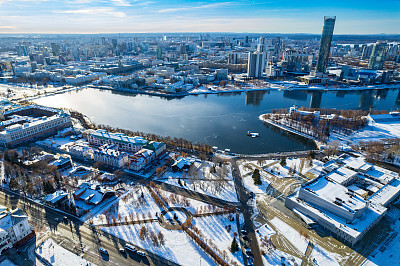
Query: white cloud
[192, 7]
[109, 11]
[7, 28]
[32, 1]
[121, 2]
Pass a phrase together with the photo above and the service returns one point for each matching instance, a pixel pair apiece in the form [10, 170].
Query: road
[80, 234]
[243, 197]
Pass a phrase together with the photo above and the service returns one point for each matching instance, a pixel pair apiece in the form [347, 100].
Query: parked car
[130, 248]
[56, 219]
[244, 232]
[140, 253]
[122, 250]
[65, 218]
[249, 253]
[104, 251]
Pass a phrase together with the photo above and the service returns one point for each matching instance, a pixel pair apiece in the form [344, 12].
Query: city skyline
[131, 16]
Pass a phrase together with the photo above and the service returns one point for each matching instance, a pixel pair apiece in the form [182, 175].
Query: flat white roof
[357, 190]
[387, 193]
[329, 191]
[341, 174]
[355, 228]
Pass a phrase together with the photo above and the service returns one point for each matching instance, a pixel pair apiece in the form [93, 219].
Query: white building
[140, 159]
[348, 198]
[33, 122]
[256, 64]
[110, 156]
[123, 142]
[336, 208]
[14, 228]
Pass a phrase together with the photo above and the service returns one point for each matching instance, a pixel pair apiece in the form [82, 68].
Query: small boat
[252, 134]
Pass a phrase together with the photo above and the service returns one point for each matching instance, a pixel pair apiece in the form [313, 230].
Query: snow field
[57, 255]
[291, 234]
[178, 247]
[215, 229]
[129, 205]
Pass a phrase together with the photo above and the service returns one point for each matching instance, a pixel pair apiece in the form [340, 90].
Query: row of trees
[343, 121]
[170, 141]
[157, 239]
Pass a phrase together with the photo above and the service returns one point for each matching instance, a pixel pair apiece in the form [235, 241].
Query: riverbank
[285, 86]
[291, 130]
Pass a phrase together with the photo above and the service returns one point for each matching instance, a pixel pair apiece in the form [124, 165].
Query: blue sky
[113, 16]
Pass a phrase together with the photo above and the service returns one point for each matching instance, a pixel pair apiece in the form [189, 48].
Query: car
[130, 248]
[122, 250]
[244, 232]
[56, 219]
[249, 253]
[65, 218]
[104, 251]
[141, 253]
[246, 238]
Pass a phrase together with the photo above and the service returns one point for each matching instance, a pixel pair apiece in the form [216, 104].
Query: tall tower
[378, 56]
[325, 45]
[256, 62]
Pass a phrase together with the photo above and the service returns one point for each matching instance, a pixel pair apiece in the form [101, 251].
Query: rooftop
[331, 191]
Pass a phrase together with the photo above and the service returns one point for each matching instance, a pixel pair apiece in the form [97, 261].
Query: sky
[255, 16]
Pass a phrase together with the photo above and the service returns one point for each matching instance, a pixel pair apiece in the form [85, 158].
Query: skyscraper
[378, 56]
[256, 61]
[159, 53]
[325, 45]
[255, 65]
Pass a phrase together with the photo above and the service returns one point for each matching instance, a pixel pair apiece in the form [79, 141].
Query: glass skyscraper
[325, 45]
[378, 56]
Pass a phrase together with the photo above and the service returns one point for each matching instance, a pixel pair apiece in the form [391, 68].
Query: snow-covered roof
[358, 190]
[353, 229]
[55, 197]
[386, 194]
[119, 137]
[330, 191]
[341, 175]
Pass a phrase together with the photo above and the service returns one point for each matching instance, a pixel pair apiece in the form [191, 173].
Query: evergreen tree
[234, 246]
[256, 177]
[283, 161]
[327, 131]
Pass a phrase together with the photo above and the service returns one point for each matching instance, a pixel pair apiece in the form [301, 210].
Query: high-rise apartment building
[325, 45]
[159, 53]
[378, 56]
[256, 61]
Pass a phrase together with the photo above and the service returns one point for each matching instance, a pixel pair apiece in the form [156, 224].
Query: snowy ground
[291, 234]
[191, 205]
[130, 205]
[215, 228]
[179, 215]
[388, 253]
[57, 255]
[205, 182]
[273, 256]
[322, 257]
[178, 247]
